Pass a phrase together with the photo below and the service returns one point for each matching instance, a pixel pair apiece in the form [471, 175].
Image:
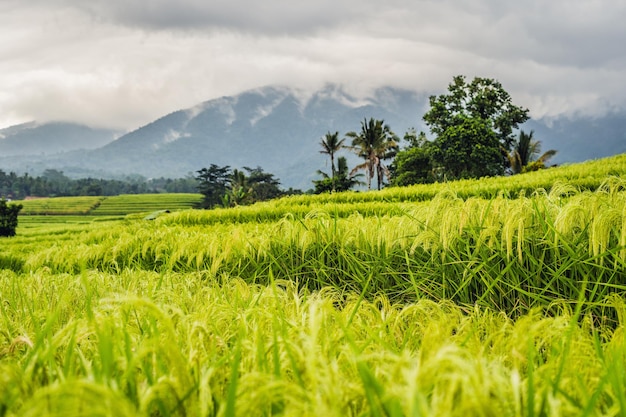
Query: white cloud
[123, 63]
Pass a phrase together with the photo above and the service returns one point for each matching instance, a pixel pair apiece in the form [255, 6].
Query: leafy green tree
[469, 149]
[374, 143]
[8, 218]
[412, 165]
[473, 124]
[331, 144]
[342, 181]
[221, 186]
[59, 183]
[526, 154]
[239, 192]
[53, 183]
[263, 185]
[213, 182]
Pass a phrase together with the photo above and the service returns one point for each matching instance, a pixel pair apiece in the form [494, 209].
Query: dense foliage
[413, 163]
[374, 143]
[339, 180]
[222, 186]
[474, 127]
[54, 183]
[8, 218]
[213, 184]
[473, 124]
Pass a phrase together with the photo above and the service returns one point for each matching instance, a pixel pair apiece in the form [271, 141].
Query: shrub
[8, 218]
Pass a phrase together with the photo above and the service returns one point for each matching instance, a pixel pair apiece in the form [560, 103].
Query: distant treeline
[53, 183]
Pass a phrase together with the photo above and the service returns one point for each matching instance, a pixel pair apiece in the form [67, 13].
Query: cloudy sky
[124, 63]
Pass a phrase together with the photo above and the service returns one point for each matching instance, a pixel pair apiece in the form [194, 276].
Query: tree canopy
[412, 164]
[263, 185]
[213, 182]
[474, 126]
[374, 143]
[468, 149]
[331, 144]
[341, 181]
[222, 186]
[8, 218]
[54, 183]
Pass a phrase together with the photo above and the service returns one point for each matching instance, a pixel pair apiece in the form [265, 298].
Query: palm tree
[346, 179]
[375, 143]
[331, 145]
[239, 190]
[343, 180]
[525, 155]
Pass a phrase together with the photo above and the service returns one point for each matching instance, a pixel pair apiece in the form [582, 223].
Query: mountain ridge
[33, 138]
[277, 128]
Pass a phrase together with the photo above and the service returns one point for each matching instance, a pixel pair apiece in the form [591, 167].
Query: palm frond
[546, 156]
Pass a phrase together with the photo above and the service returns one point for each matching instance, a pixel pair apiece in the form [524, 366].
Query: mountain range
[276, 128]
[52, 138]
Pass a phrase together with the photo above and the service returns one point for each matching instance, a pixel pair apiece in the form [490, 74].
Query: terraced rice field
[502, 297]
[109, 206]
[60, 206]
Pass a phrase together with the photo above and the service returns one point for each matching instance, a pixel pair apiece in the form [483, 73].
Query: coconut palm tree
[526, 154]
[374, 143]
[239, 190]
[331, 144]
[343, 180]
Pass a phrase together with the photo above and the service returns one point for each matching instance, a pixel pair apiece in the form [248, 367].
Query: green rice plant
[170, 344]
[508, 254]
[418, 301]
[12, 262]
[589, 175]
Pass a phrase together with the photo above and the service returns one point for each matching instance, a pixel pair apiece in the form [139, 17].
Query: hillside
[272, 127]
[51, 138]
[276, 128]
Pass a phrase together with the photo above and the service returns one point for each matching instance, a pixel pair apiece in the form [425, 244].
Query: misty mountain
[51, 138]
[276, 128]
[578, 139]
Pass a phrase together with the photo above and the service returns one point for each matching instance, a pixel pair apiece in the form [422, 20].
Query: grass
[454, 301]
[170, 344]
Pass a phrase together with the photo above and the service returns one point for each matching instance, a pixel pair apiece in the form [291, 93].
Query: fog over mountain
[121, 64]
[51, 138]
[276, 128]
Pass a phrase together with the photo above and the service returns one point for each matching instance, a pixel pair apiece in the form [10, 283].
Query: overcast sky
[124, 63]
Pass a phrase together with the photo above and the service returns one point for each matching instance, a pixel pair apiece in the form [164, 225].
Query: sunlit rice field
[417, 301]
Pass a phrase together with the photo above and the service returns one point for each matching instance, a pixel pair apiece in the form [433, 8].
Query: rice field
[141, 203]
[450, 301]
[60, 206]
[109, 206]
